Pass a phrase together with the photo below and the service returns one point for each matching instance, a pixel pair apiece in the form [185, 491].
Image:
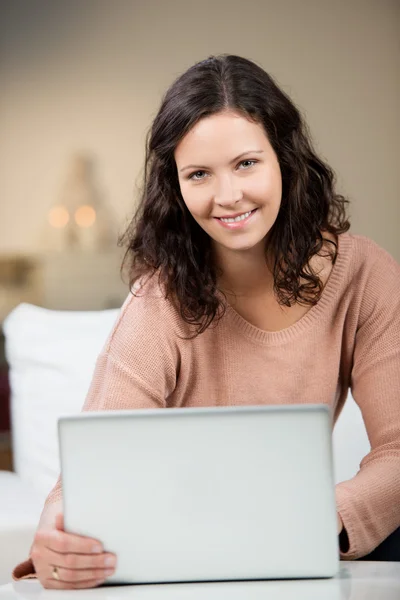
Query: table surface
[355, 581]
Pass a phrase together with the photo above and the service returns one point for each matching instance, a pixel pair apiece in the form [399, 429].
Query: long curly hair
[164, 238]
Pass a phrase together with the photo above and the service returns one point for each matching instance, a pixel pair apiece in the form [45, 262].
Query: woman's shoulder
[364, 255]
[368, 271]
[147, 312]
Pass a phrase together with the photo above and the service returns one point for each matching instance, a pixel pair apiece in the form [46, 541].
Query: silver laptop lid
[204, 494]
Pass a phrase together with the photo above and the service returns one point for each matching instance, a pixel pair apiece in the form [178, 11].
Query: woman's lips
[237, 224]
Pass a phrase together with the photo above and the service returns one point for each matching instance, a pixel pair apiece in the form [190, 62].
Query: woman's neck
[244, 273]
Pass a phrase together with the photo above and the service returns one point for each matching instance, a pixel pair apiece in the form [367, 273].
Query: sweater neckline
[332, 286]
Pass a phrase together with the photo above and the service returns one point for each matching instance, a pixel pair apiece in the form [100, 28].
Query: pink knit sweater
[350, 338]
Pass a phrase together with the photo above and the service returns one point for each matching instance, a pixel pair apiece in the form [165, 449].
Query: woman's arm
[369, 503]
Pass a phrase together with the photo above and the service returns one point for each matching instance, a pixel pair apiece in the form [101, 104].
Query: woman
[247, 289]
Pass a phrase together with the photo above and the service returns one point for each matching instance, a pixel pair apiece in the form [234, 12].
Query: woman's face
[230, 179]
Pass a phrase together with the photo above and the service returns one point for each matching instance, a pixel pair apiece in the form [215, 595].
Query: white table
[355, 581]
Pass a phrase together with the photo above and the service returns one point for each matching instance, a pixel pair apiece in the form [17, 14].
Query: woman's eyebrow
[232, 161]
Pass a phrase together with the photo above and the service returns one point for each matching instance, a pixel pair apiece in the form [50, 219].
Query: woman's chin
[240, 246]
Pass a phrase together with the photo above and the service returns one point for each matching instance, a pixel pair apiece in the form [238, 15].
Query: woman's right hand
[66, 561]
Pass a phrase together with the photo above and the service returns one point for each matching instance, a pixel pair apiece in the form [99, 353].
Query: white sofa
[52, 356]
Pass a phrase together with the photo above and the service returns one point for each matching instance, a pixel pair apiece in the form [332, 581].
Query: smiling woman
[227, 141]
[247, 289]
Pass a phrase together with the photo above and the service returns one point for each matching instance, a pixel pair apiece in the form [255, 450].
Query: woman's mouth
[236, 222]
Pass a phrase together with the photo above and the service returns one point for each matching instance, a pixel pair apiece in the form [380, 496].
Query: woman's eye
[247, 163]
[197, 175]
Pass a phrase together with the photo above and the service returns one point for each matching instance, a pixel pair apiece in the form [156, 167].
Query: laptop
[204, 494]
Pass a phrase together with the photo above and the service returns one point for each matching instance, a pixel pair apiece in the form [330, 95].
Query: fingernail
[110, 561]
[109, 572]
[97, 549]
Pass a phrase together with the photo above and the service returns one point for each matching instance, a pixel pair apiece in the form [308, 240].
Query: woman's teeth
[236, 219]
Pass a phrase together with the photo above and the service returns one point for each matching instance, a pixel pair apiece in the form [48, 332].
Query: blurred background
[81, 81]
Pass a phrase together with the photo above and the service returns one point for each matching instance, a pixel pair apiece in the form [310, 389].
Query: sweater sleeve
[137, 368]
[369, 503]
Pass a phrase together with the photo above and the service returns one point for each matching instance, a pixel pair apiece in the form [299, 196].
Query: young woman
[246, 289]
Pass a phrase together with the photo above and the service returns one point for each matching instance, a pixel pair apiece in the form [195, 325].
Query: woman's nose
[227, 193]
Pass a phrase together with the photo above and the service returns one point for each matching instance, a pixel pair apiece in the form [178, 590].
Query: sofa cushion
[20, 503]
[52, 355]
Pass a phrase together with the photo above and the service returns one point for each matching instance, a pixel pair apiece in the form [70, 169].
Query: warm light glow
[58, 217]
[85, 216]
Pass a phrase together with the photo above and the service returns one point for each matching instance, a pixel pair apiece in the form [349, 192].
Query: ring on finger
[55, 574]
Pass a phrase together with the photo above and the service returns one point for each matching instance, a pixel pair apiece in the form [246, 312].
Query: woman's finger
[81, 575]
[79, 561]
[67, 543]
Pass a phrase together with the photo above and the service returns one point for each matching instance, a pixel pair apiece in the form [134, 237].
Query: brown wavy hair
[164, 238]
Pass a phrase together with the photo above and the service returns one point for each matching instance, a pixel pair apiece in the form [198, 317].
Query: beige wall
[88, 75]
